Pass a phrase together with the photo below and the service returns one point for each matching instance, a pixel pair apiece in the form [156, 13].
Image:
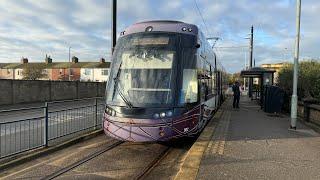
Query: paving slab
[251, 144]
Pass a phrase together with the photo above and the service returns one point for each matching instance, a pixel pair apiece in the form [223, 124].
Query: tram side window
[189, 92]
[214, 84]
[209, 81]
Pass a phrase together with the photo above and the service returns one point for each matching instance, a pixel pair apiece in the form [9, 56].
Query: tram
[165, 82]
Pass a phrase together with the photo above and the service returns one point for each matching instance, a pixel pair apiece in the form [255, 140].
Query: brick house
[56, 71]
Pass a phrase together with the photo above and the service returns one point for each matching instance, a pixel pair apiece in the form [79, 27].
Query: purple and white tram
[165, 82]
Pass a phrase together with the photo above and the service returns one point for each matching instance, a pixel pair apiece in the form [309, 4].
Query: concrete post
[294, 99]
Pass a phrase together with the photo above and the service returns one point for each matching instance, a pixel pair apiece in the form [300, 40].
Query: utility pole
[69, 63]
[250, 64]
[245, 68]
[294, 98]
[114, 25]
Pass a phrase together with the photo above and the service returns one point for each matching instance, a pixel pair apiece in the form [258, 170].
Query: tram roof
[161, 26]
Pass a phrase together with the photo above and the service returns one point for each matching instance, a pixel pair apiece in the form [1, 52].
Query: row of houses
[59, 71]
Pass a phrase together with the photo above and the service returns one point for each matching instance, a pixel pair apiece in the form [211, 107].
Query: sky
[34, 28]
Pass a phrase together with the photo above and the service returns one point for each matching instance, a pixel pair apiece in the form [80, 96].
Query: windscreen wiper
[116, 88]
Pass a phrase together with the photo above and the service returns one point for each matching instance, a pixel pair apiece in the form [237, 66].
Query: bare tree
[34, 71]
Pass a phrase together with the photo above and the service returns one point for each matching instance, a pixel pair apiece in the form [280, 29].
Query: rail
[25, 129]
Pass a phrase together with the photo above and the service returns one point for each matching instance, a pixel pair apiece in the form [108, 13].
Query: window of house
[71, 71]
[104, 72]
[87, 71]
[18, 72]
[8, 71]
[60, 71]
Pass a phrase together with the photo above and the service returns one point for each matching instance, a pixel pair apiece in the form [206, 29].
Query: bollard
[46, 124]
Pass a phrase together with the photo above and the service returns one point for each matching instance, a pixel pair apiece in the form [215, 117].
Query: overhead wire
[204, 22]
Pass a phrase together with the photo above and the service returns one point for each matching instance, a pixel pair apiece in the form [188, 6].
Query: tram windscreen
[142, 73]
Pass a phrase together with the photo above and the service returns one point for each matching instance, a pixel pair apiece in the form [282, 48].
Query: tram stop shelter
[262, 77]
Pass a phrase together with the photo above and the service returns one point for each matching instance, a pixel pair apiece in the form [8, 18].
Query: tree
[308, 82]
[235, 77]
[34, 71]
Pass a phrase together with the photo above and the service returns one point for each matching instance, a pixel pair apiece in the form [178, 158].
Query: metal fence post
[46, 124]
[96, 113]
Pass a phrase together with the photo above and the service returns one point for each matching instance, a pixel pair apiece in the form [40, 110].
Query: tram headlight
[110, 112]
[184, 29]
[149, 29]
[169, 113]
[113, 113]
[107, 111]
[156, 116]
[163, 114]
[189, 29]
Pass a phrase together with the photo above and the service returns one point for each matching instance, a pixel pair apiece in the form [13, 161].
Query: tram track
[153, 164]
[141, 175]
[82, 161]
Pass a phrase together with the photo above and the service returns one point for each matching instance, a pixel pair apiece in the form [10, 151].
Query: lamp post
[294, 98]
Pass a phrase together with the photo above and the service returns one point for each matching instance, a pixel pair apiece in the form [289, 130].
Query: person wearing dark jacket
[236, 94]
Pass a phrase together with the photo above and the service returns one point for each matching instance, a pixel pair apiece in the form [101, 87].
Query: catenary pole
[294, 98]
[250, 64]
[114, 25]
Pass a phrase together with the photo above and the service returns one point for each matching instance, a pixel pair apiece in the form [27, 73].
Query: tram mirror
[197, 45]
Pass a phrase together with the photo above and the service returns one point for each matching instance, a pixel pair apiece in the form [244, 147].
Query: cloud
[33, 28]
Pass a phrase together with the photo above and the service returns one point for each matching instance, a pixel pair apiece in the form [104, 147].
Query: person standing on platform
[236, 94]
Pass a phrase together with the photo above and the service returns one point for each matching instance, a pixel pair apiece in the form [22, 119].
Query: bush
[308, 81]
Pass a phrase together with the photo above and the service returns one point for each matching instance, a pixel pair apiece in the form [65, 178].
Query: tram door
[204, 85]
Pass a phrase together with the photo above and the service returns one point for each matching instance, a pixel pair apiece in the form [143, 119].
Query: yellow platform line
[190, 167]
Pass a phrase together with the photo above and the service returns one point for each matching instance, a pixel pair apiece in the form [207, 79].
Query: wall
[22, 91]
[314, 111]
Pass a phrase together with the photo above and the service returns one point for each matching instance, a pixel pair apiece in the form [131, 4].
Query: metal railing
[25, 129]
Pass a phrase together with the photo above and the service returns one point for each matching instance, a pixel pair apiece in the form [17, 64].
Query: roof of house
[56, 65]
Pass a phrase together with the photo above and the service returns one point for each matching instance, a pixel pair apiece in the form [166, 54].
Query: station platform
[248, 143]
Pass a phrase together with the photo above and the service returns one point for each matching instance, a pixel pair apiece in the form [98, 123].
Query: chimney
[75, 59]
[48, 59]
[24, 60]
[102, 60]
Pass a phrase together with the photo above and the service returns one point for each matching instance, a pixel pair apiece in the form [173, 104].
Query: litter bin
[273, 99]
